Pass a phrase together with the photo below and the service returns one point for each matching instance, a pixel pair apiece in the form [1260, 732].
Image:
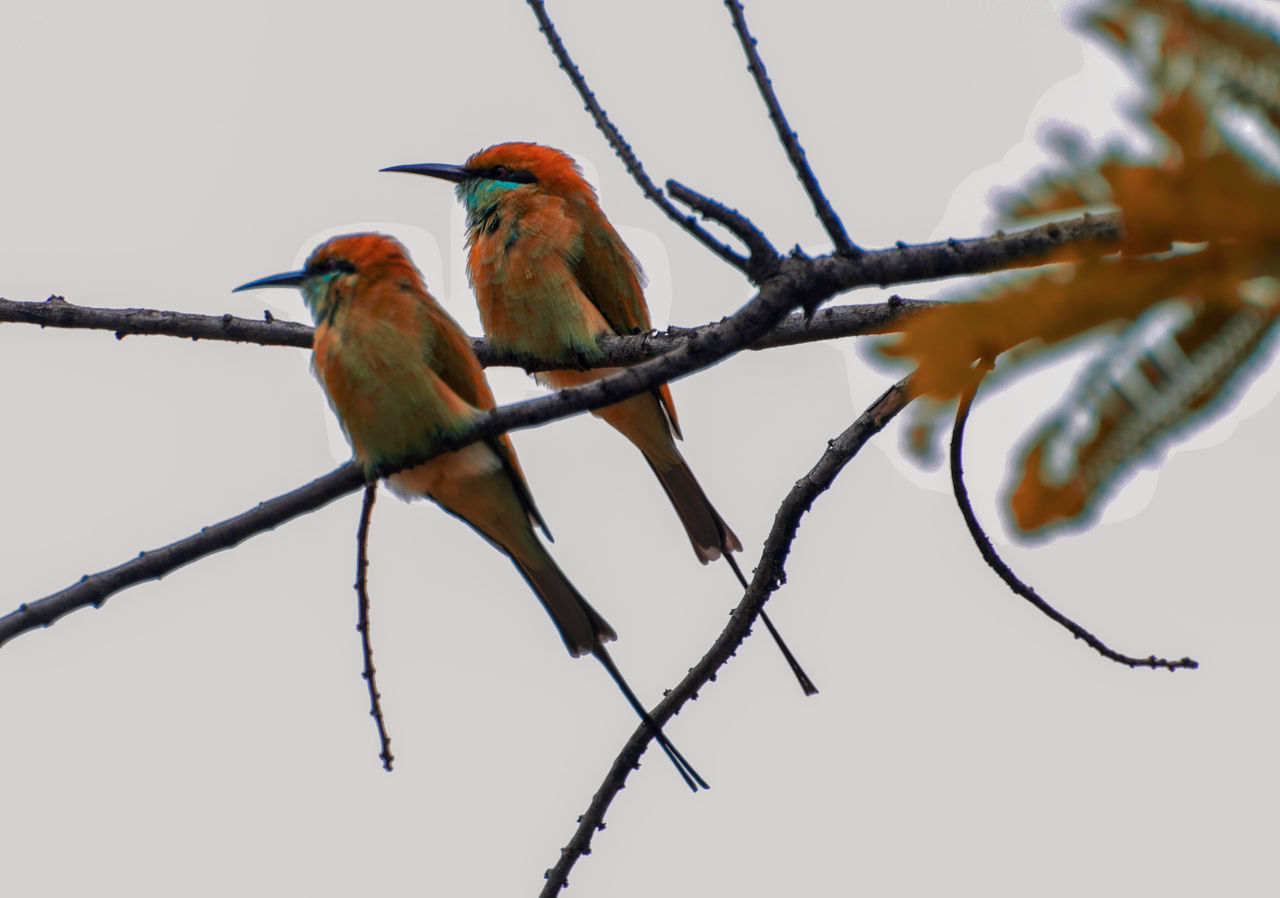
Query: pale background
[208, 734]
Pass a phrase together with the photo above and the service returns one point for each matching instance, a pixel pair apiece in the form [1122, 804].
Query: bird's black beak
[455, 173]
[288, 279]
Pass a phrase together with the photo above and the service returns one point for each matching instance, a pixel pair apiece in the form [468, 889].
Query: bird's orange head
[338, 266]
[493, 174]
[554, 171]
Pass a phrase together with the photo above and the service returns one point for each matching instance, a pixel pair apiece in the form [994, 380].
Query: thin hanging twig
[769, 576]
[1006, 574]
[362, 624]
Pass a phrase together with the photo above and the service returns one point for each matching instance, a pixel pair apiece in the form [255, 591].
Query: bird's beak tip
[455, 173]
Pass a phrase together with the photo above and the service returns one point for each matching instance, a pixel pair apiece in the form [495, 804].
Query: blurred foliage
[1176, 311]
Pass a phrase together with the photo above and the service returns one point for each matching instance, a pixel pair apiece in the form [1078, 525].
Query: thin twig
[770, 574]
[764, 257]
[362, 624]
[1006, 574]
[623, 149]
[790, 141]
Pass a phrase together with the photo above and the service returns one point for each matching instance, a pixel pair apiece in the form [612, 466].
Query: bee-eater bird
[550, 275]
[400, 375]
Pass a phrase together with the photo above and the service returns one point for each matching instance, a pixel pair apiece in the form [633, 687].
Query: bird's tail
[585, 632]
[648, 421]
[683, 767]
[712, 538]
[581, 627]
[707, 531]
[802, 678]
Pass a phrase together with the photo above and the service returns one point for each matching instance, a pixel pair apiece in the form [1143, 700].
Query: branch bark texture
[769, 576]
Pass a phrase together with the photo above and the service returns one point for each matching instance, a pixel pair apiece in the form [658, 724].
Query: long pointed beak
[455, 173]
[288, 279]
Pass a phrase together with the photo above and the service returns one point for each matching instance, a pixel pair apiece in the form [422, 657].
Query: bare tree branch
[755, 319]
[764, 257]
[362, 624]
[1005, 573]
[798, 281]
[908, 263]
[789, 139]
[57, 312]
[824, 276]
[96, 589]
[832, 323]
[769, 576]
[623, 149]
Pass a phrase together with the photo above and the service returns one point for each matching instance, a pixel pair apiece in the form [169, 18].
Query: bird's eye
[332, 264]
[510, 175]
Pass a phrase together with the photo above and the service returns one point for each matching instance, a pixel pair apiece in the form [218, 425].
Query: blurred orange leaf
[1201, 230]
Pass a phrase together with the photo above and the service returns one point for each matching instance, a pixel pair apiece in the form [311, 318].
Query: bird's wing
[609, 275]
[447, 350]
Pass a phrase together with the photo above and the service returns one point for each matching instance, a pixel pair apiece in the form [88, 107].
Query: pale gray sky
[208, 735]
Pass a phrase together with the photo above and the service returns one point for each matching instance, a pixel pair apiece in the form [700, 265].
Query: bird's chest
[528, 297]
[384, 394]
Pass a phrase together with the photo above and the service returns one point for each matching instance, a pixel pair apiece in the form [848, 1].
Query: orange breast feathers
[521, 268]
[384, 363]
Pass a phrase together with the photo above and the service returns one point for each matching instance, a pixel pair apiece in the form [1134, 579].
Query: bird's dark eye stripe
[334, 264]
[510, 175]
